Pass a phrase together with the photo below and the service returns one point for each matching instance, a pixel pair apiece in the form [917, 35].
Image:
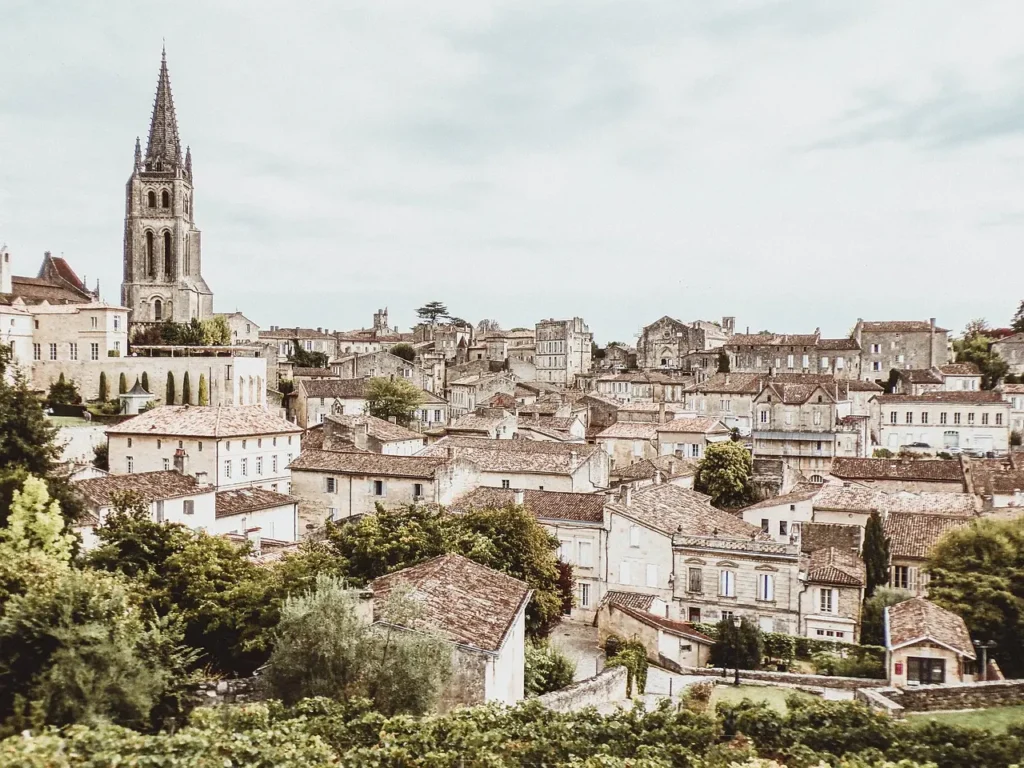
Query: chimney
[5, 270]
[574, 458]
[359, 435]
[181, 461]
[931, 342]
[627, 494]
[661, 412]
[519, 497]
[657, 477]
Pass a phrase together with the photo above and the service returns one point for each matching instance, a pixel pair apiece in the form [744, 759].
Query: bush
[882, 453]
[698, 696]
[1016, 438]
[63, 392]
[854, 661]
[779, 647]
[547, 669]
[632, 655]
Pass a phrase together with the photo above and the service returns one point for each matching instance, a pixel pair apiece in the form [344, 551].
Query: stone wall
[606, 687]
[934, 698]
[788, 678]
[234, 691]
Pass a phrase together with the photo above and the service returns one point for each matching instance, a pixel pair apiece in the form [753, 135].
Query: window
[695, 580]
[417, 490]
[942, 418]
[624, 572]
[94, 351]
[765, 524]
[53, 351]
[764, 416]
[826, 600]
[273, 463]
[199, 445]
[956, 418]
[876, 366]
[984, 416]
[95, 322]
[789, 361]
[634, 535]
[160, 511]
[806, 362]
[840, 362]
[901, 577]
[129, 442]
[158, 306]
[151, 199]
[926, 671]
[584, 595]
[165, 200]
[72, 351]
[129, 464]
[117, 322]
[910, 417]
[727, 615]
[924, 417]
[331, 485]
[189, 507]
[437, 415]
[259, 466]
[765, 587]
[586, 554]
[378, 487]
[824, 362]
[506, 484]
[892, 417]
[227, 445]
[652, 575]
[227, 469]
[970, 418]
[37, 351]
[817, 418]
[727, 583]
[999, 419]
[167, 464]
[876, 349]
[783, 528]
[899, 358]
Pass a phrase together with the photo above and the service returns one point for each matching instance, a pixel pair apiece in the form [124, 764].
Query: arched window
[152, 199]
[165, 199]
[158, 309]
[150, 264]
[168, 255]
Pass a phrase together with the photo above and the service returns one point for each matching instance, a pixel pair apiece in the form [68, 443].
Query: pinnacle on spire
[164, 149]
[138, 153]
[188, 160]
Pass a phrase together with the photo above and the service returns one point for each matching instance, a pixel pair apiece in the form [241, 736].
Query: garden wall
[934, 698]
[234, 691]
[789, 678]
[607, 687]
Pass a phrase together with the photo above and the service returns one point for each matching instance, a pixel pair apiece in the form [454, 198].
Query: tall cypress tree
[122, 384]
[186, 390]
[169, 395]
[103, 387]
[875, 554]
[204, 392]
[145, 381]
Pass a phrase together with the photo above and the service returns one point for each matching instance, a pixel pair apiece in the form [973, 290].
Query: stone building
[911, 538]
[628, 442]
[926, 645]
[902, 475]
[771, 353]
[688, 438]
[830, 603]
[943, 421]
[728, 397]
[309, 339]
[900, 344]
[467, 392]
[383, 365]
[162, 248]
[1014, 395]
[1011, 349]
[664, 343]
[243, 330]
[563, 350]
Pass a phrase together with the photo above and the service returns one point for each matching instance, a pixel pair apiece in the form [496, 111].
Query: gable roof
[243, 500]
[528, 456]
[815, 536]
[917, 620]
[922, 376]
[960, 369]
[800, 492]
[216, 421]
[379, 429]
[548, 505]
[832, 565]
[336, 388]
[365, 463]
[738, 383]
[629, 430]
[913, 535]
[671, 509]
[639, 600]
[465, 602]
[899, 326]
[670, 467]
[151, 486]
[952, 396]
[698, 424]
[938, 470]
[679, 628]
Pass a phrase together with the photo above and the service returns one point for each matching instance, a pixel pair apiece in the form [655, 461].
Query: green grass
[995, 719]
[775, 697]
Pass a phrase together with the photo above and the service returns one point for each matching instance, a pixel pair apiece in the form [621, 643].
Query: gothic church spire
[164, 149]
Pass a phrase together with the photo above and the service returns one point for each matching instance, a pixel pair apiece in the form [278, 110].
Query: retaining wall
[789, 678]
[933, 698]
[606, 687]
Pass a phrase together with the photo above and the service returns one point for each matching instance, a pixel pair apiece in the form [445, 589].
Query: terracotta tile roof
[918, 619]
[680, 628]
[630, 430]
[151, 486]
[849, 498]
[815, 536]
[922, 376]
[365, 463]
[960, 369]
[205, 421]
[833, 565]
[314, 372]
[465, 602]
[997, 476]
[738, 383]
[638, 600]
[914, 535]
[899, 326]
[856, 385]
[33, 290]
[1012, 389]
[243, 500]
[954, 504]
[501, 400]
[532, 456]
[378, 429]
[548, 505]
[800, 492]
[295, 333]
[838, 344]
[952, 397]
[336, 388]
[773, 339]
[670, 467]
[929, 470]
[700, 424]
[472, 422]
[671, 509]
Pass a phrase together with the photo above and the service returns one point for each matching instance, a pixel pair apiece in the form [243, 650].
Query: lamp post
[737, 622]
[984, 648]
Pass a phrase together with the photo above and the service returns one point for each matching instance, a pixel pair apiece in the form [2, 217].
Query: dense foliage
[740, 646]
[432, 310]
[977, 349]
[303, 358]
[404, 351]
[195, 333]
[875, 552]
[392, 398]
[547, 669]
[724, 474]
[872, 617]
[63, 392]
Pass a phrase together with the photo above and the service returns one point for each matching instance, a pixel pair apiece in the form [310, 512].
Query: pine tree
[875, 554]
[103, 387]
[186, 391]
[204, 393]
[169, 396]
[145, 381]
[122, 384]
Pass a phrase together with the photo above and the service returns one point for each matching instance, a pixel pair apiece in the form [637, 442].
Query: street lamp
[984, 648]
[737, 622]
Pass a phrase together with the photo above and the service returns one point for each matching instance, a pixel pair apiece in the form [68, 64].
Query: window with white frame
[727, 583]
[37, 351]
[695, 580]
[624, 574]
[984, 419]
[506, 484]
[763, 417]
[586, 554]
[244, 466]
[999, 419]
[956, 418]
[824, 362]
[634, 535]
[765, 587]
[273, 463]
[924, 417]
[129, 463]
[826, 600]
[94, 351]
[584, 595]
[876, 366]
[227, 469]
[652, 575]
[72, 351]
[330, 485]
[53, 351]
[167, 464]
[189, 506]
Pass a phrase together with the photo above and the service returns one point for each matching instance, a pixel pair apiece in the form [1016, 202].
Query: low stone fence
[606, 687]
[787, 678]
[234, 691]
[935, 698]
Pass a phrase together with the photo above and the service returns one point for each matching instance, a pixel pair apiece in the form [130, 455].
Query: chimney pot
[519, 497]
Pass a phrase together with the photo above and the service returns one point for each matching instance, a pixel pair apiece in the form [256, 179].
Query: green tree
[145, 382]
[737, 646]
[404, 351]
[978, 350]
[547, 669]
[35, 522]
[302, 358]
[216, 331]
[872, 620]
[323, 647]
[724, 474]
[397, 398]
[1017, 324]
[122, 384]
[63, 392]
[169, 391]
[976, 327]
[875, 553]
[104, 392]
[186, 390]
[432, 310]
[204, 391]
[101, 457]
[723, 360]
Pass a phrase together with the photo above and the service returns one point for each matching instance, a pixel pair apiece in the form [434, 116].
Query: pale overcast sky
[795, 164]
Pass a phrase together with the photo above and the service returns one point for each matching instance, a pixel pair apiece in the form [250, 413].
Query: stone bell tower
[162, 249]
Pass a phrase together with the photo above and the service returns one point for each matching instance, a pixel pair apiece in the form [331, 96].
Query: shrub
[632, 655]
[1016, 438]
[104, 392]
[204, 391]
[63, 392]
[547, 669]
[169, 392]
[698, 696]
[779, 647]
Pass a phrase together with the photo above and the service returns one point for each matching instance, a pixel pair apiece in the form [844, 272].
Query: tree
[432, 310]
[872, 620]
[35, 522]
[101, 457]
[122, 384]
[169, 392]
[547, 669]
[488, 326]
[104, 392]
[1017, 324]
[392, 398]
[63, 392]
[145, 382]
[724, 474]
[323, 647]
[875, 552]
[186, 390]
[893, 382]
[976, 327]
[216, 331]
[737, 646]
[978, 350]
[404, 351]
[302, 358]
[204, 391]
[723, 360]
